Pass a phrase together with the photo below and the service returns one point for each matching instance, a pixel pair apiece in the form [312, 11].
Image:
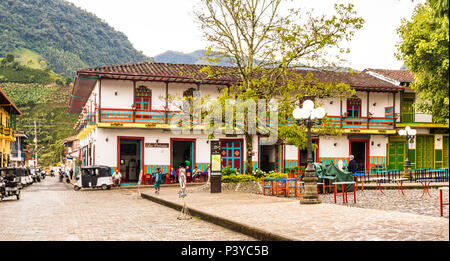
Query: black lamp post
[310, 116]
[409, 134]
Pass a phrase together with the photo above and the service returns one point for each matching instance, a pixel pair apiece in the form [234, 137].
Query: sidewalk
[272, 218]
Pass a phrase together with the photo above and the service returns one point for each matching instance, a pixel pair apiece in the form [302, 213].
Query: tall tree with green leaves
[424, 49]
[267, 43]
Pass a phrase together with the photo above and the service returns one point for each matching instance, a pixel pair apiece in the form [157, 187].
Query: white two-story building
[126, 111]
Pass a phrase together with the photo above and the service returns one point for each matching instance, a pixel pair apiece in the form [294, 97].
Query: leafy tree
[424, 49]
[9, 58]
[267, 47]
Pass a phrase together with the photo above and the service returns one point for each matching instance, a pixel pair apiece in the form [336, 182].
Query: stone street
[51, 210]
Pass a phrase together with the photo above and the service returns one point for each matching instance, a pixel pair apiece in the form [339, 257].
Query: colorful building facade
[126, 112]
[8, 114]
[429, 148]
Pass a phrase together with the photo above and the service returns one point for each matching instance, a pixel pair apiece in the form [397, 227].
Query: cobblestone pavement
[52, 211]
[322, 222]
[411, 202]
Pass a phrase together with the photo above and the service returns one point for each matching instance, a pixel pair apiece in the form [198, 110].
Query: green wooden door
[396, 155]
[408, 108]
[425, 151]
[445, 152]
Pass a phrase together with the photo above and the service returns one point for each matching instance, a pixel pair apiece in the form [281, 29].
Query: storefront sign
[216, 165]
[156, 145]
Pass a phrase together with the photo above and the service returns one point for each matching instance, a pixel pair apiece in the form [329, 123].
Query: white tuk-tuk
[94, 177]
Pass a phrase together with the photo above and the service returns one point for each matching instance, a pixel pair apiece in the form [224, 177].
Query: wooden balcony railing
[162, 117]
[137, 116]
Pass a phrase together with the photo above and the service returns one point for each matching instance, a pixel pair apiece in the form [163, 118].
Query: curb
[223, 222]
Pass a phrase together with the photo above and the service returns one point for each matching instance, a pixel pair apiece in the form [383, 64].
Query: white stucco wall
[291, 152]
[375, 150]
[438, 139]
[124, 97]
[328, 150]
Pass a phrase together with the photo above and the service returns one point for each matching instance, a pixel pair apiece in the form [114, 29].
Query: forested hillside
[64, 36]
[42, 96]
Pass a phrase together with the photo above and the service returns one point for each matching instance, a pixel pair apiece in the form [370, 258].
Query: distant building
[8, 113]
[71, 152]
[17, 149]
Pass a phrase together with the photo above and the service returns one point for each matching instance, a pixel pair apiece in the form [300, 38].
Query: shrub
[236, 178]
[276, 175]
[228, 171]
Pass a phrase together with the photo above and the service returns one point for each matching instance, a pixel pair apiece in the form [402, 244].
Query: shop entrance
[270, 157]
[130, 158]
[182, 152]
[360, 150]
[303, 154]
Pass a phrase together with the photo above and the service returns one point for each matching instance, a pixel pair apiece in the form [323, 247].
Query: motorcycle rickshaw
[35, 175]
[24, 175]
[94, 177]
[9, 183]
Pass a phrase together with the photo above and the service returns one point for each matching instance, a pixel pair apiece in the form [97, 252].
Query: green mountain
[42, 96]
[58, 34]
[196, 57]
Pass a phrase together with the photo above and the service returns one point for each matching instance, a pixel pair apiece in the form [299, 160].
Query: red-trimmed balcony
[136, 116]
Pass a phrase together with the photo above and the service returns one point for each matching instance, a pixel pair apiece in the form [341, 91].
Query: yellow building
[8, 113]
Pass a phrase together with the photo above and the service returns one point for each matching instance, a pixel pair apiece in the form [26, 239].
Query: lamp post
[409, 134]
[310, 116]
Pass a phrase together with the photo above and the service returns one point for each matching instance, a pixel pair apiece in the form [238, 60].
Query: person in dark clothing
[352, 166]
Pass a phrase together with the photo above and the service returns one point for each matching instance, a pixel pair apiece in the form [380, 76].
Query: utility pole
[35, 145]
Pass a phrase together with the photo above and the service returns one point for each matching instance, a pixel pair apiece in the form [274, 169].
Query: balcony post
[134, 101]
[367, 113]
[167, 103]
[100, 100]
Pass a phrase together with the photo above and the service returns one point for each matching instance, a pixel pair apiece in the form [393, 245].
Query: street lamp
[310, 116]
[409, 134]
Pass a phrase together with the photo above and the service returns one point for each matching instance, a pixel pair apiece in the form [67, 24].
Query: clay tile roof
[397, 75]
[70, 139]
[192, 71]
[165, 70]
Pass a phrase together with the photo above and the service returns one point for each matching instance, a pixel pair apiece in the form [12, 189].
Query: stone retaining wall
[254, 187]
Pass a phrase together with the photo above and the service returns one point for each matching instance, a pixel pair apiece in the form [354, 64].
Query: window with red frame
[354, 107]
[143, 98]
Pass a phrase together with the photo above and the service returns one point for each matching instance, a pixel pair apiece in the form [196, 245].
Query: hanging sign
[156, 145]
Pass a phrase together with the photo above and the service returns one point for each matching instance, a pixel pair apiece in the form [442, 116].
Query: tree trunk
[248, 153]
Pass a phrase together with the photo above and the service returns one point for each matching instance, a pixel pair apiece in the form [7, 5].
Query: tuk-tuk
[23, 174]
[94, 177]
[35, 174]
[9, 183]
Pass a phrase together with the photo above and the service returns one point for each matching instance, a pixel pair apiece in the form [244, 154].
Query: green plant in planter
[257, 173]
[228, 171]
[234, 178]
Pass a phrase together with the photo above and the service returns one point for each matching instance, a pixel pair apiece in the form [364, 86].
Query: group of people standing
[181, 175]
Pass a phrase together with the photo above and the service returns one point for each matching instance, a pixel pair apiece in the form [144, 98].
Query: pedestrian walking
[352, 166]
[182, 180]
[208, 170]
[157, 178]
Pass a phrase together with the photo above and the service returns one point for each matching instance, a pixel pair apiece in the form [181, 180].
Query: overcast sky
[155, 26]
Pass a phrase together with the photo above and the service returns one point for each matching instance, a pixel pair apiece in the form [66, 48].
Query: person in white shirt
[116, 177]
